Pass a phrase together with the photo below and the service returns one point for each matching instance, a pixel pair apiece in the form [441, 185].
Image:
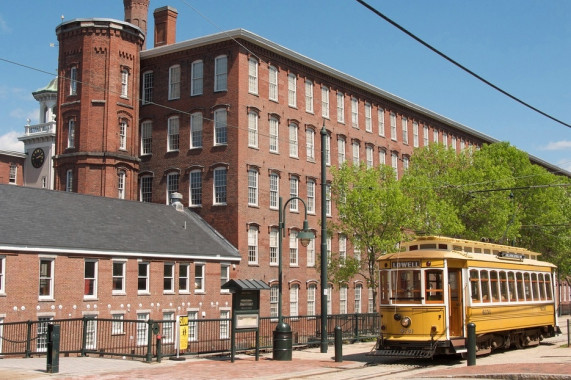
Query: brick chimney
[165, 26]
[136, 13]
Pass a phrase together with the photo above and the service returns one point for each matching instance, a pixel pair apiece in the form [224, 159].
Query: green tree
[372, 213]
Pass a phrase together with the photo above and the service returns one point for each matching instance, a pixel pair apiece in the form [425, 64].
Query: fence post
[356, 328]
[149, 357]
[84, 336]
[29, 339]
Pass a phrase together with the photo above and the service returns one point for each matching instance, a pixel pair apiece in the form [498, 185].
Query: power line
[426, 44]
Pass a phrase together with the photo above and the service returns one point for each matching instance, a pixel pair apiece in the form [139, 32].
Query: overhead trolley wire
[426, 44]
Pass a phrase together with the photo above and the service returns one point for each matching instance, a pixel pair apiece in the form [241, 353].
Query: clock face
[38, 157]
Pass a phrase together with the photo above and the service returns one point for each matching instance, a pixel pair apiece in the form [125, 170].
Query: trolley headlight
[405, 322]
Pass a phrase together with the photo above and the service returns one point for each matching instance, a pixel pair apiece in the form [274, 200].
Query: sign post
[181, 336]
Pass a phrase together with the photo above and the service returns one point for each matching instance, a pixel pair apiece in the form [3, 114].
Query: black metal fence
[137, 339]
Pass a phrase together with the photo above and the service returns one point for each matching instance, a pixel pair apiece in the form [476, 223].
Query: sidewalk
[548, 361]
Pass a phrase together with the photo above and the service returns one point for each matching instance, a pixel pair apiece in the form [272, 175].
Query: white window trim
[147, 290]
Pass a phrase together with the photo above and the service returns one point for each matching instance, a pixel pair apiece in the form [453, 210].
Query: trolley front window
[405, 285]
[434, 285]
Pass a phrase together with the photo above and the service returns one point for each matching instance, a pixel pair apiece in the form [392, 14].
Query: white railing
[41, 128]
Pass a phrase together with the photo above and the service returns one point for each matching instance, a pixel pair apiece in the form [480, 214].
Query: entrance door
[455, 301]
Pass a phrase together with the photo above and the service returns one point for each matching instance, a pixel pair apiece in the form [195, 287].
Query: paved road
[550, 360]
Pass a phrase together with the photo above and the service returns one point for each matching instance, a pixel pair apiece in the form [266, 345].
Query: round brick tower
[97, 140]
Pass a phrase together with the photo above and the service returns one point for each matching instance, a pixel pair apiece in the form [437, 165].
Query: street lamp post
[282, 333]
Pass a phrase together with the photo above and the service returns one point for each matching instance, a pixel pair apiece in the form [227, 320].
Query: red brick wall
[6, 161]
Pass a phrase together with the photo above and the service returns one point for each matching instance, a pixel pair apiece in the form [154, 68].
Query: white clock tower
[39, 140]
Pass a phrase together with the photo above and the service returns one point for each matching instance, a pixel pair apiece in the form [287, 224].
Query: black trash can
[282, 342]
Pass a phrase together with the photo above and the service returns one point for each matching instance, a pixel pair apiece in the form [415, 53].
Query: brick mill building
[231, 121]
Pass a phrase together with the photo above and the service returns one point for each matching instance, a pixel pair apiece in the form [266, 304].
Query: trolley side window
[511, 286]
[519, 283]
[384, 292]
[527, 287]
[434, 286]
[535, 285]
[548, 286]
[405, 286]
[495, 286]
[484, 278]
[475, 285]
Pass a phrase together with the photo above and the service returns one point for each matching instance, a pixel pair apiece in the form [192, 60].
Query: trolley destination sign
[405, 264]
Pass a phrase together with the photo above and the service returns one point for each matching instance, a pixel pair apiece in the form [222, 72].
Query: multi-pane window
[445, 139]
[172, 185]
[142, 328]
[253, 76]
[199, 286]
[358, 291]
[357, 253]
[123, 134]
[252, 187]
[415, 134]
[341, 150]
[221, 73]
[69, 180]
[293, 249]
[311, 196]
[310, 144]
[425, 135]
[192, 326]
[2, 275]
[173, 134]
[394, 163]
[274, 297]
[368, 118]
[355, 112]
[340, 107]
[328, 150]
[309, 96]
[90, 279]
[342, 247]
[124, 83]
[146, 137]
[224, 324]
[293, 143]
[73, 81]
[274, 236]
[121, 184]
[292, 90]
[174, 82]
[220, 127]
[462, 144]
[311, 291]
[393, 126]
[42, 334]
[91, 332]
[13, 173]
[404, 124]
[196, 130]
[168, 278]
[46, 290]
[71, 133]
[311, 253]
[147, 87]
[253, 245]
[273, 83]
[117, 325]
[274, 190]
[325, 101]
[369, 156]
[435, 135]
[220, 186]
[168, 327]
[118, 277]
[328, 200]
[274, 142]
[330, 299]
[252, 129]
[382, 157]
[195, 188]
[293, 193]
[224, 276]
[355, 145]
[183, 278]
[196, 78]
[146, 189]
[143, 277]
[343, 300]
[381, 121]
[454, 143]
[294, 300]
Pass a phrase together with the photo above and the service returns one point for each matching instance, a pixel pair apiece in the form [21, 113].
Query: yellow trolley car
[436, 286]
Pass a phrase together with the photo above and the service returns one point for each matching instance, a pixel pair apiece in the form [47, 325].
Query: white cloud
[9, 142]
[565, 164]
[4, 28]
[558, 145]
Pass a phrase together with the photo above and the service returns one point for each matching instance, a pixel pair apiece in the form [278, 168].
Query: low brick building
[65, 255]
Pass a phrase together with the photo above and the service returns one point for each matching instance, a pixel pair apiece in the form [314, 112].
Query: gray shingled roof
[42, 220]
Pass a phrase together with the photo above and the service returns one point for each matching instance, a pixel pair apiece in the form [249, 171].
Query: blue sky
[521, 46]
